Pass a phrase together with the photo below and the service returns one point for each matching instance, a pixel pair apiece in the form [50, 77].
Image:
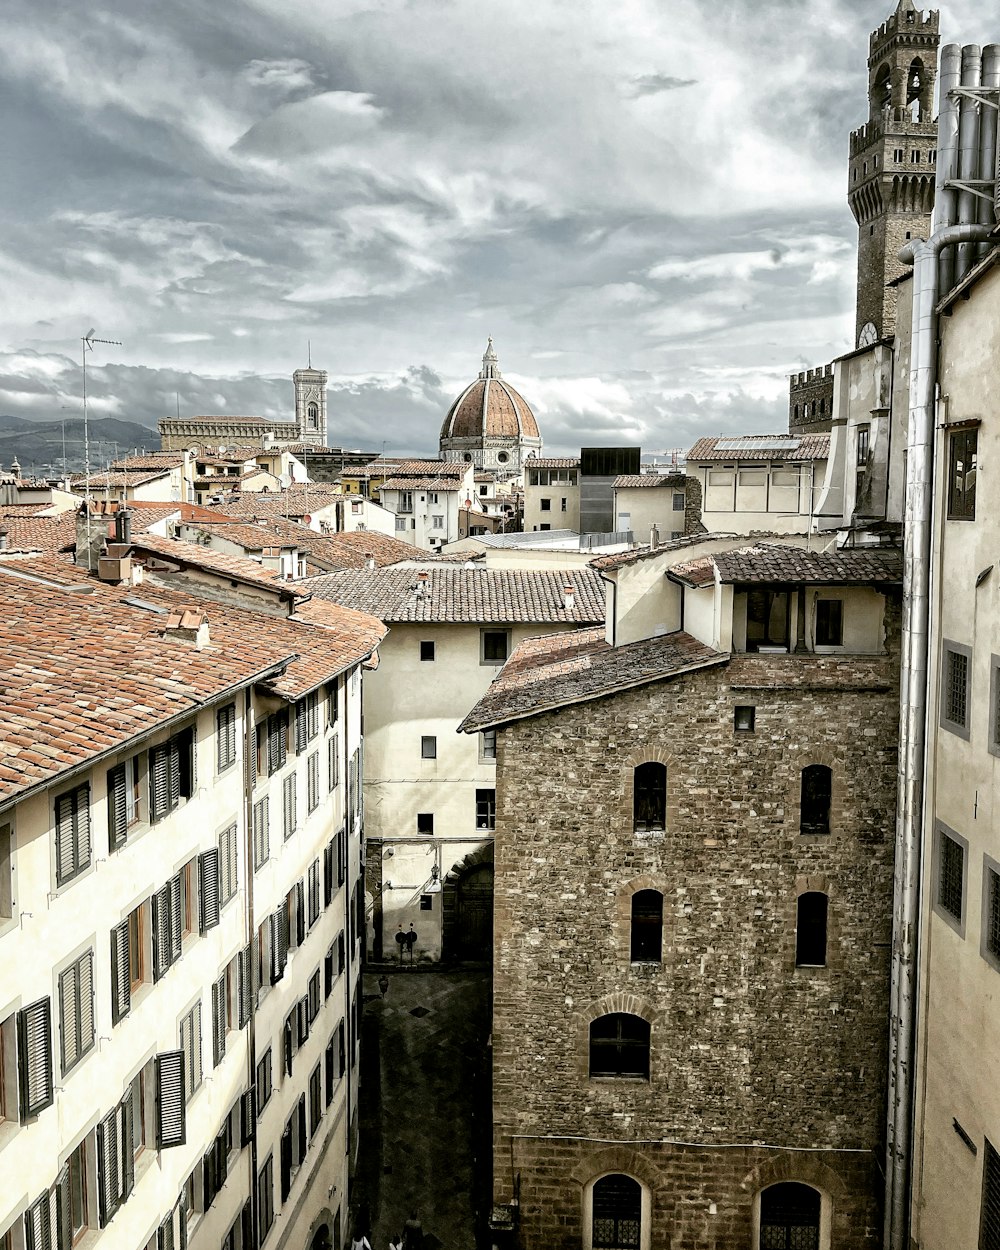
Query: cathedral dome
[489, 408]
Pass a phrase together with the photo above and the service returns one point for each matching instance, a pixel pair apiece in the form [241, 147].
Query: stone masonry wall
[746, 1047]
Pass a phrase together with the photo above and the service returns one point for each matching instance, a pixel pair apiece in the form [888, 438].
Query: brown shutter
[171, 1122]
[34, 1056]
[121, 973]
[208, 889]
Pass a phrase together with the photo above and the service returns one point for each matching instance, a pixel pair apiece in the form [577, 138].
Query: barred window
[991, 911]
[989, 1220]
[956, 688]
[951, 875]
[619, 1046]
[486, 809]
[789, 1217]
[617, 1213]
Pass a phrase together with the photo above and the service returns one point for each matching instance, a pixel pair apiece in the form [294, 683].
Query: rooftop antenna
[177, 404]
[88, 342]
[309, 352]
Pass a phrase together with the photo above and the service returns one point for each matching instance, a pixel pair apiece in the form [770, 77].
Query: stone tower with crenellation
[892, 162]
[310, 404]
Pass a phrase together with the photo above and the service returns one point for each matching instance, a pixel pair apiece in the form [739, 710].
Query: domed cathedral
[892, 161]
[490, 425]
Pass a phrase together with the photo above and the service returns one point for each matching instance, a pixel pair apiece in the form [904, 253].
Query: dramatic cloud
[643, 203]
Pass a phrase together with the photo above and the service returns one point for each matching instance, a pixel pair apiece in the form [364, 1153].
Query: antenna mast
[88, 342]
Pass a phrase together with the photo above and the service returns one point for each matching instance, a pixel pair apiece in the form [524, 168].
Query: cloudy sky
[643, 202]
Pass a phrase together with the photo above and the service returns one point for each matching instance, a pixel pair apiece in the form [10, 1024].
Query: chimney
[422, 585]
[187, 624]
[91, 535]
[123, 526]
[369, 560]
[4, 540]
[654, 538]
[568, 598]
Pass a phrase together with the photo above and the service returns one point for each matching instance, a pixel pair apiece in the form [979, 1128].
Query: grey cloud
[653, 84]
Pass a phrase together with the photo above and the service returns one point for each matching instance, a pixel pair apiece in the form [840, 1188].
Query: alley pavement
[425, 1107]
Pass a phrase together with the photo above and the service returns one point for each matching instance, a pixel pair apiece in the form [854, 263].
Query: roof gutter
[918, 510]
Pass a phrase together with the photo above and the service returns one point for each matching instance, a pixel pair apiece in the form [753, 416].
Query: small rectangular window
[679, 501]
[993, 729]
[76, 1010]
[426, 650]
[562, 504]
[265, 1197]
[829, 623]
[488, 746]
[963, 457]
[744, 719]
[427, 902]
[425, 822]
[261, 833]
[495, 646]
[956, 687]
[915, 156]
[989, 1220]
[951, 856]
[428, 747]
[486, 809]
[545, 505]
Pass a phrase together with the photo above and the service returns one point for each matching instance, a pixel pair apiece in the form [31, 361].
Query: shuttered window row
[225, 737]
[73, 841]
[76, 1010]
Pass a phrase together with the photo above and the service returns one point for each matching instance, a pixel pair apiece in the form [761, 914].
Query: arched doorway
[790, 1217]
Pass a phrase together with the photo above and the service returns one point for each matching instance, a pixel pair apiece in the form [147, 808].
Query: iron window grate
[951, 876]
[957, 693]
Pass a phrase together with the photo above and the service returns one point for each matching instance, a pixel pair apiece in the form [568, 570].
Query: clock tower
[892, 161]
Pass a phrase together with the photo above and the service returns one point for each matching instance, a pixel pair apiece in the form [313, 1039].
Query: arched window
[915, 91]
[810, 930]
[882, 90]
[619, 1046]
[647, 927]
[649, 797]
[312, 413]
[814, 806]
[789, 1217]
[617, 1213]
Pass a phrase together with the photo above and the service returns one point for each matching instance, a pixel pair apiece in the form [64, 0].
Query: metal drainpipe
[913, 704]
[249, 775]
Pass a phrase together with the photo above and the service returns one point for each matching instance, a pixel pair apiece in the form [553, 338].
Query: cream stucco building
[180, 928]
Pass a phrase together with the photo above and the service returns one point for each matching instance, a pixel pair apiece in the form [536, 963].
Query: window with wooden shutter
[165, 1234]
[177, 909]
[34, 1057]
[328, 870]
[219, 1020]
[159, 782]
[261, 833]
[225, 737]
[76, 1010]
[313, 892]
[279, 942]
[38, 1224]
[286, 1162]
[227, 864]
[341, 841]
[121, 973]
[109, 1173]
[72, 833]
[299, 892]
[330, 1065]
[126, 1136]
[248, 1116]
[171, 1111]
[301, 727]
[288, 805]
[244, 993]
[64, 1208]
[302, 1020]
[277, 740]
[208, 889]
[161, 927]
[315, 1100]
[191, 1045]
[332, 765]
[117, 807]
[312, 781]
[288, 1034]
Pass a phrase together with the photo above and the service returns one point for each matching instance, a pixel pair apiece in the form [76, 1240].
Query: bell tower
[310, 405]
[892, 162]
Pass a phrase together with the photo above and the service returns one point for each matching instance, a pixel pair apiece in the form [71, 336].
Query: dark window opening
[767, 619]
[991, 918]
[744, 719]
[617, 1218]
[951, 876]
[647, 927]
[649, 797]
[789, 1217]
[486, 809]
[829, 622]
[963, 449]
[426, 650]
[816, 792]
[425, 822]
[619, 1046]
[496, 645]
[810, 930]
[956, 708]
[989, 1220]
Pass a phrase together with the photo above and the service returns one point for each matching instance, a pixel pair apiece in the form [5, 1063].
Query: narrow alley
[425, 1107]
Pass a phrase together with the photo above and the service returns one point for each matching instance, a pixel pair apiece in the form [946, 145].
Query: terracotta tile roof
[150, 460]
[761, 447]
[116, 477]
[310, 449]
[229, 480]
[479, 595]
[560, 669]
[57, 533]
[250, 537]
[326, 551]
[384, 547]
[193, 555]
[430, 468]
[298, 501]
[765, 562]
[628, 480]
[608, 564]
[25, 509]
[553, 462]
[231, 455]
[695, 573]
[421, 483]
[86, 668]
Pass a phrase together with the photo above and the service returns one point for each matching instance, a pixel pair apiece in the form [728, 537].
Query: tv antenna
[88, 342]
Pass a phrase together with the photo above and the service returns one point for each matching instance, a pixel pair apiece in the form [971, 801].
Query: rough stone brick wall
[806, 390]
[692, 506]
[746, 1048]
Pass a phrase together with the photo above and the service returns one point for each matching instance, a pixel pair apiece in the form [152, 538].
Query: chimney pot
[654, 538]
[569, 598]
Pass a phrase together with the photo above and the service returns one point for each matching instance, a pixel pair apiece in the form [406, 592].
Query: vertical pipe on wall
[913, 707]
[968, 154]
[945, 202]
[988, 138]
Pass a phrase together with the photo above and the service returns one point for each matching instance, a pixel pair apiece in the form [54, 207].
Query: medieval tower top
[310, 405]
[892, 160]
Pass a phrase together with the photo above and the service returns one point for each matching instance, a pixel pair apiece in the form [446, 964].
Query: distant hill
[38, 446]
